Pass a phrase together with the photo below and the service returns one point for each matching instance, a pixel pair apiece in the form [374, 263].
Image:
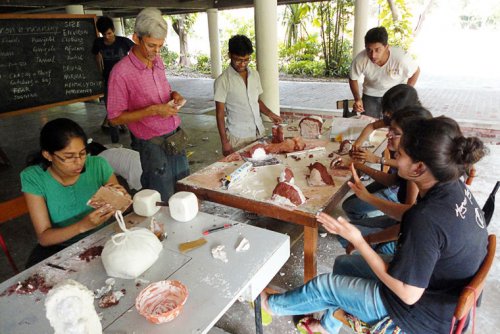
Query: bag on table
[130, 253]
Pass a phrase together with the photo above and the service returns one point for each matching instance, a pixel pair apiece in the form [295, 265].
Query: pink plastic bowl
[162, 301]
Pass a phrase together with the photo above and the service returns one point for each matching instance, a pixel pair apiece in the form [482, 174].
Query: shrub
[203, 64]
[305, 68]
[170, 58]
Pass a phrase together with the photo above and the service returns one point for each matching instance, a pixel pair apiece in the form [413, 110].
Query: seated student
[124, 161]
[405, 190]
[396, 98]
[442, 245]
[58, 183]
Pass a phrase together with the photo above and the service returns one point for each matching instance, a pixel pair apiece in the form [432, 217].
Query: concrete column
[213, 37]
[75, 9]
[118, 23]
[361, 12]
[266, 39]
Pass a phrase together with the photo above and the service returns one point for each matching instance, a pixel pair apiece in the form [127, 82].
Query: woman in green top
[58, 183]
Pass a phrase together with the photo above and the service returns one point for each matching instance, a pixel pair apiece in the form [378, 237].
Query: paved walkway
[471, 99]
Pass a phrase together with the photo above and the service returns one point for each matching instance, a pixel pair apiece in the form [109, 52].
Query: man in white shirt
[236, 95]
[382, 68]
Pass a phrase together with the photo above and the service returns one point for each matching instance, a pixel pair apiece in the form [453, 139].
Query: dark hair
[439, 143]
[410, 114]
[376, 35]
[95, 148]
[104, 23]
[240, 45]
[55, 136]
[397, 98]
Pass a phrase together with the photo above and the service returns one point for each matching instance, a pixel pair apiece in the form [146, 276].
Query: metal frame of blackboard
[49, 16]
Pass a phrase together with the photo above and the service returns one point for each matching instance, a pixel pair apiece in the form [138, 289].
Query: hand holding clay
[166, 110]
[96, 218]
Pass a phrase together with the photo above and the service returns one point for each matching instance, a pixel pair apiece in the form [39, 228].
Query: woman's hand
[341, 227]
[364, 155]
[96, 218]
[357, 186]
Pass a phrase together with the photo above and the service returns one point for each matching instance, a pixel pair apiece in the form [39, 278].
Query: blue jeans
[382, 248]
[160, 171]
[351, 286]
[357, 209]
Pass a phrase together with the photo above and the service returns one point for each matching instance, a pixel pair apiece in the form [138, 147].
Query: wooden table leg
[310, 249]
[258, 316]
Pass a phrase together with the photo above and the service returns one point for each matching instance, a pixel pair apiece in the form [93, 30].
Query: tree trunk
[421, 18]
[179, 28]
[394, 10]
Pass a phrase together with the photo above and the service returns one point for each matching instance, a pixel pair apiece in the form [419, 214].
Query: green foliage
[170, 58]
[203, 64]
[401, 31]
[307, 48]
[294, 20]
[311, 68]
[332, 18]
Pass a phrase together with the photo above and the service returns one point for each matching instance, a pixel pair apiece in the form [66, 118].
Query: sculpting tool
[215, 229]
[55, 266]
[312, 150]
[190, 245]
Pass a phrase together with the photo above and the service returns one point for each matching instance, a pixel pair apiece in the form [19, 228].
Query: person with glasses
[57, 185]
[396, 194]
[443, 242]
[384, 186]
[140, 96]
[237, 99]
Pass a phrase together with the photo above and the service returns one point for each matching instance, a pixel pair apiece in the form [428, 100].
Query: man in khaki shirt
[236, 95]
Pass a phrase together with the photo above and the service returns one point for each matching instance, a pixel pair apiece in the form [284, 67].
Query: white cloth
[126, 163]
[241, 102]
[378, 79]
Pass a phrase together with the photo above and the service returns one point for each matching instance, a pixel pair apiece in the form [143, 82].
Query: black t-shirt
[443, 242]
[111, 54]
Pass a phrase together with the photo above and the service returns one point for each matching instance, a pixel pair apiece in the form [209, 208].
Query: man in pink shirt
[140, 96]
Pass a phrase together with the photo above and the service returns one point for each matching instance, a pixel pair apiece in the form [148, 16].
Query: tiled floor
[464, 100]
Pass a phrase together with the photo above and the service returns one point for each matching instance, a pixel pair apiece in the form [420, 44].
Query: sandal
[303, 326]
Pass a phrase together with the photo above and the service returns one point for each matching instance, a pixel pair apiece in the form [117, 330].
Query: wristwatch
[382, 161]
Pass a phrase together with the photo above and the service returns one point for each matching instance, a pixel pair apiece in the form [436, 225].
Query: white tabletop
[213, 285]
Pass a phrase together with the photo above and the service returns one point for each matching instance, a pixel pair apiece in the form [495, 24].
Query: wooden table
[254, 192]
[213, 285]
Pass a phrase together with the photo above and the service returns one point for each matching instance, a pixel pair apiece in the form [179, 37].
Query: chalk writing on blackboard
[46, 60]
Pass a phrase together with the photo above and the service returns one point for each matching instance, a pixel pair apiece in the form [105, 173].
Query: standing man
[109, 50]
[382, 67]
[141, 97]
[236, 95]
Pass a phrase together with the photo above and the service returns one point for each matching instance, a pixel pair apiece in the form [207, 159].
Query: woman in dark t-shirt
[442, 244]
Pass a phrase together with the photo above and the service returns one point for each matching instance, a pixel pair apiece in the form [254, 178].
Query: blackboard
[46, 60]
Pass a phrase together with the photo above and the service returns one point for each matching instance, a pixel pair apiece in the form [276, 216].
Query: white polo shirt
[126, 163]
[378, 79]
[241, 102]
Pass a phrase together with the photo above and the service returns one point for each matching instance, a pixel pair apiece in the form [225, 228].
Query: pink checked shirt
[133, 86]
